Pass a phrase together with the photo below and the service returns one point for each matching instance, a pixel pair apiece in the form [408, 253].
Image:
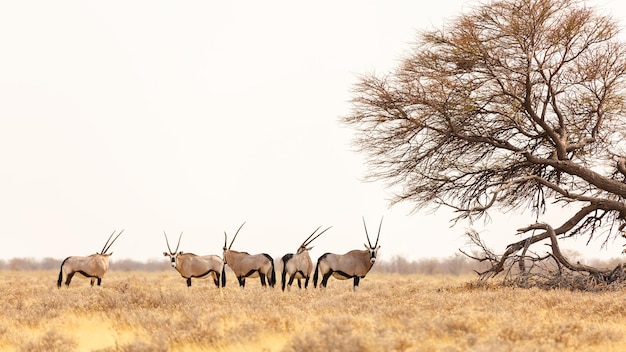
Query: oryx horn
[168, 243]
[366, 234]
[108, 245]
[236, 233]
[307, 242]
[304, 242]
[377, 236]
[379, 226]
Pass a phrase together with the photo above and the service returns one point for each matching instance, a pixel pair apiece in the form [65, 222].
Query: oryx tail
[271, 280]
[283, 276]
[317, 269]
[223, 275]
[60, 281]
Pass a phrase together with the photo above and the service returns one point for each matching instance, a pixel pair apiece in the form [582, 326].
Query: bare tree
[511, 106]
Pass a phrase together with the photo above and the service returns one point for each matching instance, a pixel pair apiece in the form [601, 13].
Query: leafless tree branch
[515, 104]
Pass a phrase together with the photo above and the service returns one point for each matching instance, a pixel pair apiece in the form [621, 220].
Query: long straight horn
[107, 242]
[379, 226]
[318, 235]
[366, 234]
[236, 233]
[304, 244]
[178, 244]
[168, 243]
[110, 244]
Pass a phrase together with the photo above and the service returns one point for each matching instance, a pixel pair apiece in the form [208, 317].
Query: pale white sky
[196, 116]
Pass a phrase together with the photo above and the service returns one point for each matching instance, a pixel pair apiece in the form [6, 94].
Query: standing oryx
[299, 265]
[93, 266]
[354, 264]
[190, 265]
[246, 265]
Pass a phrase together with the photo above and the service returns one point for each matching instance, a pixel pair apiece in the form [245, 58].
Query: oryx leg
[306, 282]
[188, 282]
[242, 281]
[299, 284]
[283, 279]
[68, 279]
[216, 279]
[325, 278]
[262, 276]
[356, 283]
[291, 278]
[270, 275]
[92, 281]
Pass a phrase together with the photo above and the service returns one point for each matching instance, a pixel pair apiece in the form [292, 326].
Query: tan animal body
[190, 265]
[299, 266]
[93, 266]
[246, 265]
[352, 265]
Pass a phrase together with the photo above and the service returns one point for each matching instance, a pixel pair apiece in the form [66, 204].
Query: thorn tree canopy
[512, 105]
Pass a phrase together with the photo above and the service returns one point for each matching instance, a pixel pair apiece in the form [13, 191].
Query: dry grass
[156, 312]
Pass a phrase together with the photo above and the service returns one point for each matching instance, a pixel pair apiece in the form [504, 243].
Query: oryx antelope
[190, 265]
[354, 264]
[93, 266]
[246, 265]
[299, 265]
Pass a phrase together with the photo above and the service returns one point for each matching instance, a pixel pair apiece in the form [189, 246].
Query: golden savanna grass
[136, 311]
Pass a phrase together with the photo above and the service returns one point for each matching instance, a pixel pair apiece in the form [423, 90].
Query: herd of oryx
[354, 264]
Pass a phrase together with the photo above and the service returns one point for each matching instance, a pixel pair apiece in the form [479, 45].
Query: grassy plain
[136, 311]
